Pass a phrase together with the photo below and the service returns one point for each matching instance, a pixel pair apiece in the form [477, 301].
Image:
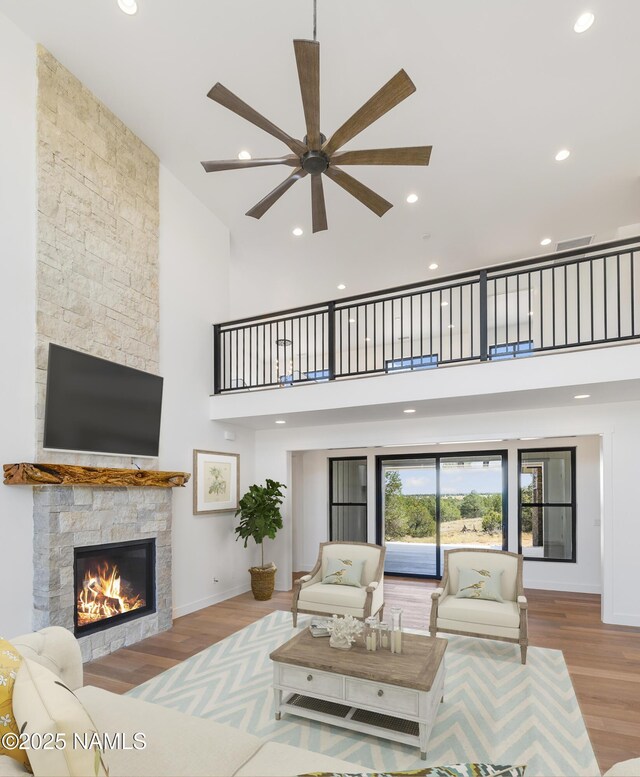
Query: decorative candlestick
[396, 630]
[371, 634]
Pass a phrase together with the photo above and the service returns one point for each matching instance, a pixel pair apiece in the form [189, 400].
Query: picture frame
[216, 482]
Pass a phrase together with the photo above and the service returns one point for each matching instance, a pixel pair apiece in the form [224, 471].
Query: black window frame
[333, 504]
[573, 505]
[502, 452]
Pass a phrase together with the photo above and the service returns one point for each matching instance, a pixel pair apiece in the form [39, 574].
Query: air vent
[576, 242]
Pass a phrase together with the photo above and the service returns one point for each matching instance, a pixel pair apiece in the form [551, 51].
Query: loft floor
[602, 660]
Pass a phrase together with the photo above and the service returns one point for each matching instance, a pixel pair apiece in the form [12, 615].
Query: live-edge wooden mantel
[71, 475]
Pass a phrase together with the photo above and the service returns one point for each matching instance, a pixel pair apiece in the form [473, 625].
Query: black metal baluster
[618, 294]
[331, 335]
[553, 304]
[529, 308]
[411, 327]
[579, 322]
[431, 326]
[632, 256]
[591, 295]
[460, 321]
[606, 296]
[566, 309]
[421, 323]
[518, 308]
[541, 310]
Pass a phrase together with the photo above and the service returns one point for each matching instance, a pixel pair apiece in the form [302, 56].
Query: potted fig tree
[259, 511]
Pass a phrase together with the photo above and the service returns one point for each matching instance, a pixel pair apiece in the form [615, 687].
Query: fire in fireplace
[113, 582]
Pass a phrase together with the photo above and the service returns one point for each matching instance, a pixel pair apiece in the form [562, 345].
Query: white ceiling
[501, 86]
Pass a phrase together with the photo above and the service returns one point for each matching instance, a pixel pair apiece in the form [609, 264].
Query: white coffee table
[394, 696]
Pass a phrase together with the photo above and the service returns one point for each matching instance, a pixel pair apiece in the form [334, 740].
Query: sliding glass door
[428, 504]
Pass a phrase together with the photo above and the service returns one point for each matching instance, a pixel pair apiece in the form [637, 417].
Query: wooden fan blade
[412, 155]
[386, 98]
[240, 164]
[367, 196]
[229, 100]
[318, 208]
[308, 61]
[266, 202]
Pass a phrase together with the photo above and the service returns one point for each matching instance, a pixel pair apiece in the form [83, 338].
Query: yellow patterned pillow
[10, 661]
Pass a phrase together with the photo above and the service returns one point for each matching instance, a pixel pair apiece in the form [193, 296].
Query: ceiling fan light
[128, 6]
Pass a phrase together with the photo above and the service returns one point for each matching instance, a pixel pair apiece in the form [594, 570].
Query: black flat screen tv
[98, 406]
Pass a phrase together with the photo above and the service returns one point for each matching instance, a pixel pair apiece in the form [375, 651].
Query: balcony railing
[571, 299]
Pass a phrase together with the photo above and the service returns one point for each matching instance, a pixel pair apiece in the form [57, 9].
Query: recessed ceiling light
[281, 422]
[467, 442]
[444, 304]
[128, 6]
[409, 410]
[529, 438]
[341, 286]
[531, 312]
[367, 339]
[297, 231]
[411, 198]
[352, 321]
[584, 21]
[582, 396]
[545, 241]
[451, 326]
[563, 154]
[433, 266]
[244, 155]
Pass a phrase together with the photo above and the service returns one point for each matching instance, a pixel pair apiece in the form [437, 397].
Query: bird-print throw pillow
[480, 584]
[343, 571]
[10, 661]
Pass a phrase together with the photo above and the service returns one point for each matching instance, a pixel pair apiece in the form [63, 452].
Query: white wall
[618, 425]
[17, 316]
[194, 272]
[311, 522]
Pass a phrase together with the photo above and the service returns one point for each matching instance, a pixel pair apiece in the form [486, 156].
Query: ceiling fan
[315, 155]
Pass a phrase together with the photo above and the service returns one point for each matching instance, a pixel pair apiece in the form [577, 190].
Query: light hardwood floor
[604, 661]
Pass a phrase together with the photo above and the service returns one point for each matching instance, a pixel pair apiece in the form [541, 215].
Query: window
[348, 499]
[547, 510]
[510, 350]
[320, 376]
[412, 363]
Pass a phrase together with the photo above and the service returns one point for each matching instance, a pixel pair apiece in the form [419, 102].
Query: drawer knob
[380, 692]
[309, 677]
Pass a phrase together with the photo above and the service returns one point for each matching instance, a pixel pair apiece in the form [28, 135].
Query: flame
[103, 595]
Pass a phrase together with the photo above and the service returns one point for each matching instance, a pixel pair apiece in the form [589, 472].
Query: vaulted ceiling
[501, 87]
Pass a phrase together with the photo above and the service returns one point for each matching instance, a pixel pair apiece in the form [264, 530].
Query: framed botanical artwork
[216, 482]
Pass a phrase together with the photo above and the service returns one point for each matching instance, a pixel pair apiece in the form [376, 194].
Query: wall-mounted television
[98, 406]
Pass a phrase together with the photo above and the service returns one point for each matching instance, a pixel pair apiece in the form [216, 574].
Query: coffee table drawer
[386, 697]
[311, 681]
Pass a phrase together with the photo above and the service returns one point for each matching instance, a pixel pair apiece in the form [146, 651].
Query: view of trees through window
[412, 517]
[470, 500]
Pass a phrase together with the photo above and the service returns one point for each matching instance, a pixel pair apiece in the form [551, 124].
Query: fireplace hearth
[114, 582]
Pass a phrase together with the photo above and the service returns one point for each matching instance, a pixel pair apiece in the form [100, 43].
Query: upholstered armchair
[505, 621]
[311, 595]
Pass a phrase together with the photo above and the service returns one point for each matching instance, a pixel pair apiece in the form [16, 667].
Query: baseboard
[579, 588]
[624, 620]
[200, 604]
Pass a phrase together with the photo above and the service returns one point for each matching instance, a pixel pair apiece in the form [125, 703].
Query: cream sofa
[176, 743]
[310, 595]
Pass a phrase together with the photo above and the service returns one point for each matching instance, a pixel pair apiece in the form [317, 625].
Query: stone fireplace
[98, 525]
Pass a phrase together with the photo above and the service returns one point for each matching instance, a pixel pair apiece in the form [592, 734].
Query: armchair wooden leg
[523, 653]
[381, 612]
[294, 613]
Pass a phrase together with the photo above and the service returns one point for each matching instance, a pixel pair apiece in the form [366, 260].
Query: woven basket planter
[263, 580]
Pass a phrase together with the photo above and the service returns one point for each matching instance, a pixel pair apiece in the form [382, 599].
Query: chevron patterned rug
[495, 709]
